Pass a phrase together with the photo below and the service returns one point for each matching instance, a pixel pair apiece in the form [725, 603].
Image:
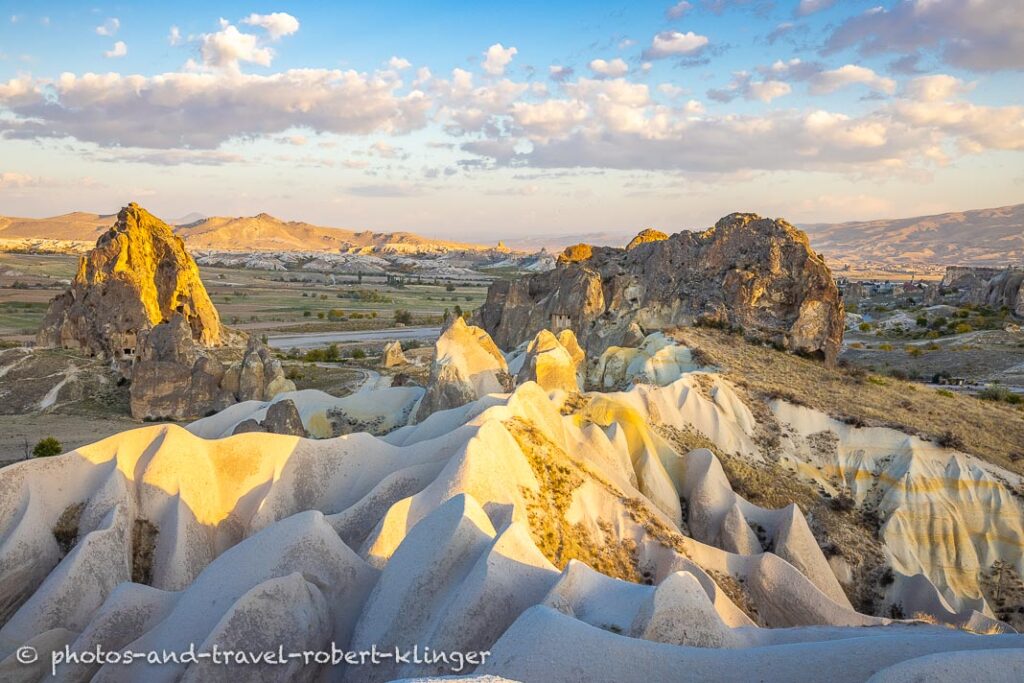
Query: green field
[248, 299]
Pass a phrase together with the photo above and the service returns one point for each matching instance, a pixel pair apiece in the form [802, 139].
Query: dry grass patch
[559, 541]
[559, 476]
[736, 592]
[838, 526]
[988, 430]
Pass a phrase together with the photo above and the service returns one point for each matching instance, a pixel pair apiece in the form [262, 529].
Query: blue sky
[488, 120]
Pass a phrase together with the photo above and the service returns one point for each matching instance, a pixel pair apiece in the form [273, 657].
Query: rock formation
[258, 376]
[571, 540]
[984, 286]
[174, 378]
[466, 366]
[657, 360]
[393, 356]
[282, 418]
[1007, 289]
[138, 276]
[553, 362]
[747, 272]
[645, 236]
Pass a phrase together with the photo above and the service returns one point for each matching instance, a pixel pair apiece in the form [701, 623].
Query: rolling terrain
[985, 237]
[259, 233]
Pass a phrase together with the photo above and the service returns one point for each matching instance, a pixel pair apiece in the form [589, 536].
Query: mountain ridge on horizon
[262, 232]
[992, 236]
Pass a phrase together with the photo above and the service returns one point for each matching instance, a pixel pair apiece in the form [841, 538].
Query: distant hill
[245, 234]
[77, 226]
[983, 237]
[556, 243]
[267, 233]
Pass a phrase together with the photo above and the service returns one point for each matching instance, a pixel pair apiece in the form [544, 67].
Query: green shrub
[403, 316]
[358, 354]
[47, 447]
[864, 327]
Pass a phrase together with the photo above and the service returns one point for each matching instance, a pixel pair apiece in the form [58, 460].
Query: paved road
[313, 340]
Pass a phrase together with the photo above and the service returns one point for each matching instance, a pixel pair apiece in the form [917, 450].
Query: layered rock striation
[747, 272]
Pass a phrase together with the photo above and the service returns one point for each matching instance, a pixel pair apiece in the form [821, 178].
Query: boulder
[467, 365]
[750, 273]
[138, 276]
[393, 356]
[282, 418]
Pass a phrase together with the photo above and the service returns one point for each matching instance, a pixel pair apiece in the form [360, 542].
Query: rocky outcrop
[138, 276]
[1007, 290]
[258, 376]
[576, 253]
[175, 379]
[393, 356]
[467, 365]
[968, 277]
[553, 364]
[747, 272]
[172, 379]
[645, 236]
[282, 418]
[983, 286]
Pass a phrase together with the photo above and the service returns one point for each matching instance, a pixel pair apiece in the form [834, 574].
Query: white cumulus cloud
[399, 63]
[276, 25]
[118, 50]
[613, 69]
[497, 58]
[227, 48]
[851, 74]
[675, 44]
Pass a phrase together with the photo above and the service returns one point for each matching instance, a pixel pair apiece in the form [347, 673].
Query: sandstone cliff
[747, 272]
[138, 275]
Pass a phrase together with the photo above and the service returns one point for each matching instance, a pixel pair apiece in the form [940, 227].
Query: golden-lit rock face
[645, 236]
[576, 253]
[747, 273]
[553, 362]
[138, 275]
